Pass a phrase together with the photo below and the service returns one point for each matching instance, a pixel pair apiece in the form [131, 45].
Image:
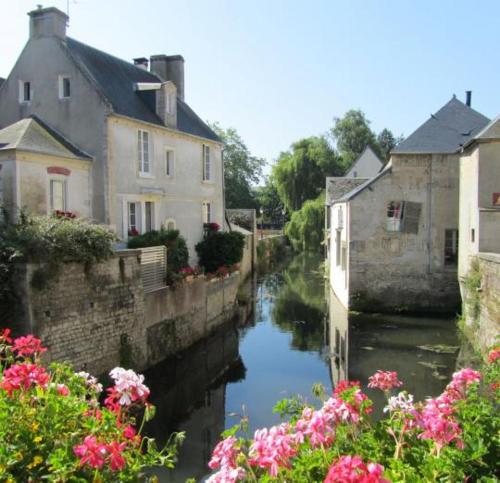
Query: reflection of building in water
[189, 393]
[338, 338]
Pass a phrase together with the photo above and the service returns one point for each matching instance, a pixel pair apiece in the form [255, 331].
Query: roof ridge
[130, 64]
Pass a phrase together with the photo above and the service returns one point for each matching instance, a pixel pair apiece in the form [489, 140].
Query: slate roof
[445, 132]
[353, 193]
[367, 152]
[114, 78]
[34, 135]
[337, 187]
[489, 132]
[2, 80]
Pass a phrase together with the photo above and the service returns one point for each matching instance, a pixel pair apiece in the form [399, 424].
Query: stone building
[41, 170]
[394, 238]
[479, 236]
[154, 161]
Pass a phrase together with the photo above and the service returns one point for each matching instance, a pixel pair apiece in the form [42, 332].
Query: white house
[367, 165]
[154, 161]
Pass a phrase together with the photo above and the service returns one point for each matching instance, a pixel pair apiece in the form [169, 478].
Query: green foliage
[305, 228]
[241, 169]
[49, 241]
[410, 444]
[219, 249]
[269, 201]
[43, 421]
[472, 282]
[352, 133]
[299, 175]
[177, 251]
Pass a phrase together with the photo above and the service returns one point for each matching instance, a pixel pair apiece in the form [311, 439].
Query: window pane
[132, 216]
[27, 91]
[451, 247]
[66, 87]
[139, 149]
[149, 216]
[57, 195]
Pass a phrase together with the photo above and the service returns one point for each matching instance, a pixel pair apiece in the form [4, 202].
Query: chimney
[141, 62]
[166, 104]
[169, 68]
[468, 97]
[47, 22]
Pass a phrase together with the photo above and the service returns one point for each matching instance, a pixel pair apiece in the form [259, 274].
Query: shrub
[51, 241]
[177, 252]
[453, 437]
[220, 248]
[52, 426]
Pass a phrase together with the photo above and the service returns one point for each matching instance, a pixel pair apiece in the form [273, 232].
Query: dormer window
[64, 87]
[25, 92]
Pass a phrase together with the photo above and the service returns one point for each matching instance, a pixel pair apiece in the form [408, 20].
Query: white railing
[153, 267]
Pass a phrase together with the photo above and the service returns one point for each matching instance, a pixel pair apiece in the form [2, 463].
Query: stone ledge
[490, 257]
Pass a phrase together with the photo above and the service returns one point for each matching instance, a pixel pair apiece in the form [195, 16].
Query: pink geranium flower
[272, 448]
[384, 380]
[460, 382]
[27, 346]
[128, 389]
[91, 452]
[116, 460]
[494, 355]
[352, 469]
[62, 390]
[23, 376]
[4, 336]
[224, 454]
[228, 475]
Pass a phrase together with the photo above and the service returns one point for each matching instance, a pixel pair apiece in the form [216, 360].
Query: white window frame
[137, 216]
[169, 167]
[207, 209]
[207, 163]
[144, 157]
[22, 99]
[64, 185]
[62, 78]
[168, 221]
[395, 223]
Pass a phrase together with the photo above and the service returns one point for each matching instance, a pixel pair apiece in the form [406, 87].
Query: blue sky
[280, 70]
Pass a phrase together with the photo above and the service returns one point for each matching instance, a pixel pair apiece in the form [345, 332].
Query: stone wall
[482, 303]
[88, 317]
[180, 316]
[100, 317]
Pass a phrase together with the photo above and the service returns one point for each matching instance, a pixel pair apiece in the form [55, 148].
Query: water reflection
[297, 334]
[423, 350]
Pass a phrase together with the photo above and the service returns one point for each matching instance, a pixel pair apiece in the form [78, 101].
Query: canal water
[297, 334]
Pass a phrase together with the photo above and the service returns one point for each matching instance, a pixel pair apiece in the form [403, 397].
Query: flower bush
[53, 427]
[453, 437]
[219, 249]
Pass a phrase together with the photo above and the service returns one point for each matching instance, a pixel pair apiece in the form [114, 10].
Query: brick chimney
[166, 104]
[47, 22]
[169, 68]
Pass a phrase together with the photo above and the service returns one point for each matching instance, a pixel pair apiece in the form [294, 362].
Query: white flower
[403, 401]
[129, 385]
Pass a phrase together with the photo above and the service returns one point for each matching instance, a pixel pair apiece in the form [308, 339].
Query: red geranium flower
[28, 345]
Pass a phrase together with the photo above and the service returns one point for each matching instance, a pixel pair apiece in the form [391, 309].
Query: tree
[269, 201]
[299, 174]
[352, 133]
[387, 142]
[241, 169]
[305, 228]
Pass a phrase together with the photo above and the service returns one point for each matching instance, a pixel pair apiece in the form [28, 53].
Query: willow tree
[299, 174]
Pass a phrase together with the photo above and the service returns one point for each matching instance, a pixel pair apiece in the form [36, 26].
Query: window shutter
[411, 217]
